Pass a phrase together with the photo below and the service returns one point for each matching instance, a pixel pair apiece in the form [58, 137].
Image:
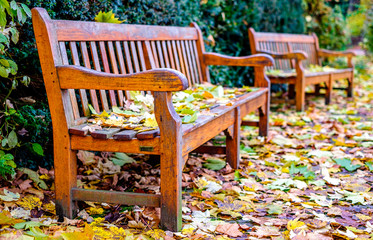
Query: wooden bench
[96, 63]
[297, 51]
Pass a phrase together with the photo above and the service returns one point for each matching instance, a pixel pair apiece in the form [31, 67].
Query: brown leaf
[229, 229]
[266, 232]
[25, 184]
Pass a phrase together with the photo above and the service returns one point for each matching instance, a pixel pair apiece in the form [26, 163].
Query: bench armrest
[329, 53]
[77, 77]
[298, 55]
[257, 60]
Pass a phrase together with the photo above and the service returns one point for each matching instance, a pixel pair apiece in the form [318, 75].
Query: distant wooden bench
[297, 51]
[95, 63]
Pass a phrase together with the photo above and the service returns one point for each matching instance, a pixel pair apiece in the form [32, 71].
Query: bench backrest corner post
[49, 55]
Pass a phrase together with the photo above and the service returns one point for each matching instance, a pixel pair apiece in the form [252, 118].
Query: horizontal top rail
[96, 31]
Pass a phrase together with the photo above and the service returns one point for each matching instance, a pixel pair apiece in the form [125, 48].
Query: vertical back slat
[200, 80]
[186, 62]
[122, 68]
[177, 57]
[141, 55]
[87, 64]
[135, 59]
[82, 92]
[97, 66]
[71, 92]
[170, 54]
[114, 67]
[182, 61]
[160, 55]
[105, 63]
[194, 62]
[155, 55]
[128, 57]
[165, 54]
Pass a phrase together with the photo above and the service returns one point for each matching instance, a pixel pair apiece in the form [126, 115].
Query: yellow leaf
[188, 231]
[363, 217]
[95, 211]
[86, 234]
[294, 224]
[207, 95]
[6, 219]
[29, 202]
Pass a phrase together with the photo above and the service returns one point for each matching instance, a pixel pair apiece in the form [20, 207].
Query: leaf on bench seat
[105, 133]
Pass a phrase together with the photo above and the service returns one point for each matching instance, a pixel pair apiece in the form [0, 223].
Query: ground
[310, 179]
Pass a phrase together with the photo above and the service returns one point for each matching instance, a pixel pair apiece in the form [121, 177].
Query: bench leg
[65, 169]
[329, 89]
[264, 120]
[291, 91]
[350, 85]
[233, 141]
[171, 170]
[171, 160]
[300, 94]
[317, 89]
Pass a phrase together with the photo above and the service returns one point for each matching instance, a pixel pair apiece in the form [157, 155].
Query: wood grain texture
[300, 55]
[152, 80]
[123, 198]
[257, 60]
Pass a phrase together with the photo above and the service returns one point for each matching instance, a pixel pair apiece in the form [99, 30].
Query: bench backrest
[113, 48]
[282, 43]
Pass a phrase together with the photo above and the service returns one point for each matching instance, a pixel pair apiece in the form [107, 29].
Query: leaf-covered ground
[310, 179]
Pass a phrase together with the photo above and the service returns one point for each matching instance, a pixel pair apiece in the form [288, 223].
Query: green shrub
[328, 23]
[368, 36]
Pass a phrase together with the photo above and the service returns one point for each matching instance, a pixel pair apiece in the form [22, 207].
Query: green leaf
[237, 175]
[27, 225]
[2, 19]
[3, 38]
[93, 111]
[190, 118]
[13, 5]
[214, 163]
[15, 35]
[20, 15]
[9, 196]
[4, 4]
[12, 139]
[108, 17]
[37, 233]
[4, 62]
[3, 72]
[347, 164]
[370, 165]
[274, 209]
[121, 158]
[34, 176]
[26, 9]
[37, 149]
